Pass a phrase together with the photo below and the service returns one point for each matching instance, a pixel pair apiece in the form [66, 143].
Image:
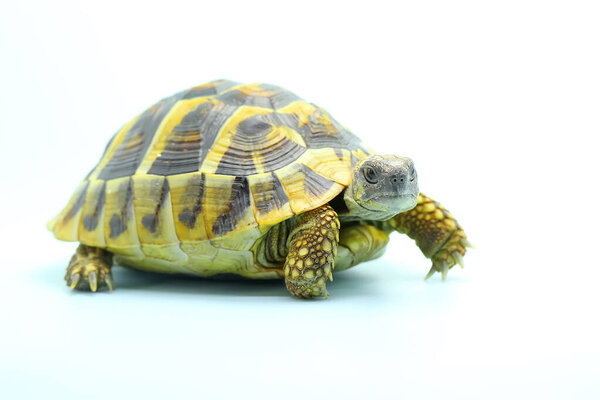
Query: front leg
[436, 232]
[312, 244]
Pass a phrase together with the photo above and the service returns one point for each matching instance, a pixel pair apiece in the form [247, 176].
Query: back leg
[89, 269]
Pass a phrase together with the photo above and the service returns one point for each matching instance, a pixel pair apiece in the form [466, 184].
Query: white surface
[498, 106]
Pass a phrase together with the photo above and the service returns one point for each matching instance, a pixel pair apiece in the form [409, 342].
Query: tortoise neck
[354, 211]
[345, 209]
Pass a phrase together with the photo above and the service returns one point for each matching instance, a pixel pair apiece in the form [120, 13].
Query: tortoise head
[381, 187]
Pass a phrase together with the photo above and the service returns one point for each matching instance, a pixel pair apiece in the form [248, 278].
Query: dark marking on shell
[151, 221]
[279, 196]
[253, 127]
[281, 154]
[353, 159]
[214, 88]
[277, 99]
[238, 98]
[90, 222]
[281, 97]
[314, 184]
[195, 190]
[251, 141]
[339, 153]
[317, 134]
[269, 195]
[212, 125]
[129, 154]
[118, 221]
[117, 225]
[188, 217]
[238, 159]
[182, 152]
[238, 203]
[192, 139]
[78, 203]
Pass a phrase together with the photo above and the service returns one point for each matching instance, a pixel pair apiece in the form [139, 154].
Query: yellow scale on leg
[312, 249]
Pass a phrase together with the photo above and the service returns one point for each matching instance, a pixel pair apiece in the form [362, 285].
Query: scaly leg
[313, 242]
[93, 265]
[359, 243]
[435, 231]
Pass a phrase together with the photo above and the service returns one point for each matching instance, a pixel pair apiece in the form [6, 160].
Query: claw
[459, 258]
[74, 281]
[431, 272]
[445, 269]
[466, 243]
[330, 276]
[109, 282]
[93, 281]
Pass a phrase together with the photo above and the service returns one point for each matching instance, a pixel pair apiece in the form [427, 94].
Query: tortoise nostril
[397, 179]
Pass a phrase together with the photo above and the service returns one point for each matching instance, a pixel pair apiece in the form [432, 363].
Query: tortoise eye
[370, 175]
[413, 174]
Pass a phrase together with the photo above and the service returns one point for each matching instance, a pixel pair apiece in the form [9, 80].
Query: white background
[497, 103]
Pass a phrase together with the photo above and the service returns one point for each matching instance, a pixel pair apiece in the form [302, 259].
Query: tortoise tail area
[164, 224]
[106, 214]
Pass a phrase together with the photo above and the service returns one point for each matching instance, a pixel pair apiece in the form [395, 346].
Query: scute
[218, 164]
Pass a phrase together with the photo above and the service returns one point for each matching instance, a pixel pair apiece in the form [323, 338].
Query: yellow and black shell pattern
[190, 184]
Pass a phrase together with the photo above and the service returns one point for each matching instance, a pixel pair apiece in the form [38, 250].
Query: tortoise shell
[216, 160]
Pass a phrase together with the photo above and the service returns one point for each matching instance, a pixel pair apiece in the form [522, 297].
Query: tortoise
[246, 179]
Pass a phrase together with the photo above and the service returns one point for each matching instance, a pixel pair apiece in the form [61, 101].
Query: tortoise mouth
[397, 203]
